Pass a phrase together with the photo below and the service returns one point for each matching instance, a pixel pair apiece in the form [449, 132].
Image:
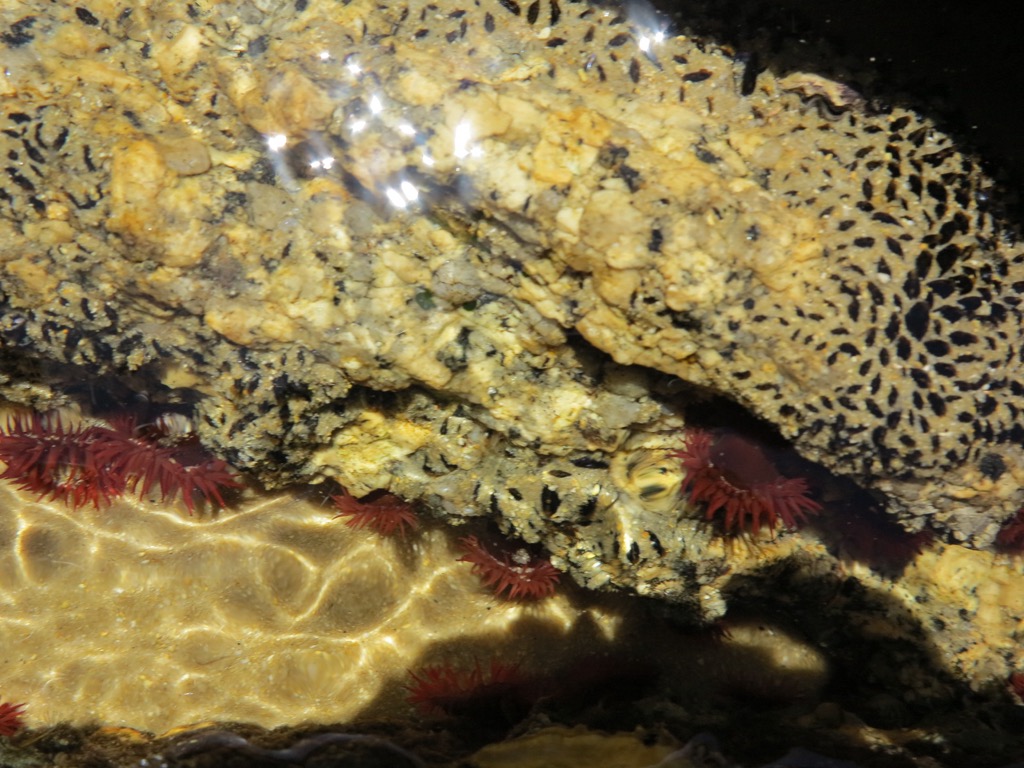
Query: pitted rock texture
[461, 252]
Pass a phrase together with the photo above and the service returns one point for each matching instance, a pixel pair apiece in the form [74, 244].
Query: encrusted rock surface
[464, 252]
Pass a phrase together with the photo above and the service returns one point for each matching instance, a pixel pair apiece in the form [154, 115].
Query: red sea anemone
[725, 471]
[1011, 536]
[150, 458]
[868, 535]
[1016, 685]
[11, 718]
[447, 690]
[382, 512]
[521, 574]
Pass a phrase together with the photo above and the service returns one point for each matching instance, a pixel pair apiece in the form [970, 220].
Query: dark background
[961, 63]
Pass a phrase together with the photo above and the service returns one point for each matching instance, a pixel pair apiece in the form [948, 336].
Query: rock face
[467, 253]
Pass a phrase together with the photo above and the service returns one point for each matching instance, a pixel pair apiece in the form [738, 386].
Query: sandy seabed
[271, 613]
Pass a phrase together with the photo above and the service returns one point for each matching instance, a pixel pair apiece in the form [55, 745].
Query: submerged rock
[467, 253]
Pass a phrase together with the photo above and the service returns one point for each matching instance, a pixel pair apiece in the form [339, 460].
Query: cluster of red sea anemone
[511, 571]
[96, 464]
[730, 474]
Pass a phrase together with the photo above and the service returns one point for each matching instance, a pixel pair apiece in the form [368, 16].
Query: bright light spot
[407, 129]
[405, 195]
[357, 125]
[324, 55]
[353, 67]
[322, 163]
[395, 198]
[375, 104]
[276, 142]
[463, 133]
[648, 41]
[650, 26]
[428, 160]
[409, 191]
